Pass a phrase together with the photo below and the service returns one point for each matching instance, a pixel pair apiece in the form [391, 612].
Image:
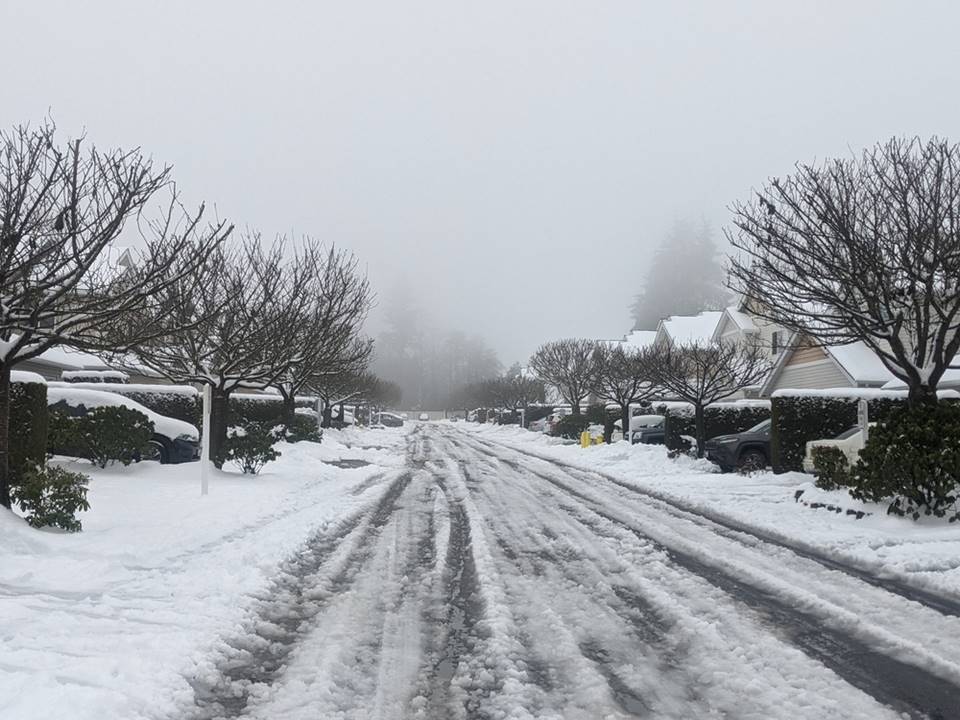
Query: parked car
[648, 429]
[424, 417]
[850, 442]
[749, 449]
[391, 420]
[173, 441]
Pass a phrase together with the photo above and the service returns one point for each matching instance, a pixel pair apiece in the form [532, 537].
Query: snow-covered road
[485, 582]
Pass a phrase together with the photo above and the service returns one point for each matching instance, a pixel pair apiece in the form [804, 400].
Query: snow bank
[77, 397]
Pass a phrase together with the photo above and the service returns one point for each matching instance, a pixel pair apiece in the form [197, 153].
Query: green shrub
[304, 427]
[103, 435]
[595, 413]
[833, 470]
[251, 446]
[28, 427]
[913, 460]
[570, 426]
[52, 496]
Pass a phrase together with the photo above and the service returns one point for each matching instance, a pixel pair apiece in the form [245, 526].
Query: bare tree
[567, 365]
[621, 377]
[61, 208]
[241, 325]
[702, 374]
[862, 249]
[328, 333]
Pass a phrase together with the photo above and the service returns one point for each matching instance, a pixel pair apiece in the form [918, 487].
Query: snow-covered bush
[913, 460]
[52, 497]
[103, 435]
[28, 423]
[833, 470]
[251, 446]
[570, 426]
[304, 427]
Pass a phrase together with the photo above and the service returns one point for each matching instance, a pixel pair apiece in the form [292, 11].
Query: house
[687, 329]
[53, 363]
[806, 364]
[739, 325]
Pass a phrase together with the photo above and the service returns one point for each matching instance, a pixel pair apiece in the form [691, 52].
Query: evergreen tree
[684, 278]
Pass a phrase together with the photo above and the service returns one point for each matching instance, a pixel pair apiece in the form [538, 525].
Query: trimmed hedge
[803, 417]
[182, 402]
[28, 427]
[720, 419]
[263, 408]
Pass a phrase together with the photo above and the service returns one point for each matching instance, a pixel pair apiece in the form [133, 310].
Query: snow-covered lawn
[927, 552]
[108, 622]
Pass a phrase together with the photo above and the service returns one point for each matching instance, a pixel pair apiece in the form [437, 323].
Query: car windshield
[848, 433]
[763, 427]
[641, 421]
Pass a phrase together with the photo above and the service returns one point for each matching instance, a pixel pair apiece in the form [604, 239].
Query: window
[775, 343]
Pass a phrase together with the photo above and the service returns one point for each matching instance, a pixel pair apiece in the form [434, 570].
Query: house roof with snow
[640, 338]
[806, 364]
[688, 329]
[734, 320]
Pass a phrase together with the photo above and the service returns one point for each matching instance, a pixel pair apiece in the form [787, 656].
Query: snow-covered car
[390, 419]
[850, 442]
[173, 441]
[424, 417]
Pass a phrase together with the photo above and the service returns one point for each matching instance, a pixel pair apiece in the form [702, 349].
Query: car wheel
[157, 452]
[752, 461]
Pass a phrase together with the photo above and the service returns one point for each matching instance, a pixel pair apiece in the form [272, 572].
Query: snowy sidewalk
[109, 622]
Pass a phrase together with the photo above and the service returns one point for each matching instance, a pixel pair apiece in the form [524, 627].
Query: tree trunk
[920, 395]
[327, 415]
[289, 412]
[701, 428]
[625, 420]
[608, 420]
[5, 435]
[219, 412]
[575, 408]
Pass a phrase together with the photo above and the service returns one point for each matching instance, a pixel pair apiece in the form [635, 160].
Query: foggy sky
[515, 162]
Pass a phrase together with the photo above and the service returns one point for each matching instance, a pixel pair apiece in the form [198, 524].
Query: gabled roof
[687, 329]
[856, 361]
[740, 319]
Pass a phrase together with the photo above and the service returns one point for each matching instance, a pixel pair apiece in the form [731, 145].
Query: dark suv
[748, 450]
[648, 429]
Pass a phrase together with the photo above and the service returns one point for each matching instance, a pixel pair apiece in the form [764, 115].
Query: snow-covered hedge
[181, 402]
[720, 419]
[247, 407]
[803, 415]
[94, 376]
[28, 422]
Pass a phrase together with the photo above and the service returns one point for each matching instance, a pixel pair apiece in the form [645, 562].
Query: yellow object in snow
[585, 439]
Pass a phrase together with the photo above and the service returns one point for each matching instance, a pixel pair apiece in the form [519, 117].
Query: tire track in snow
[901, 685]
[282, 615]
[734, 529]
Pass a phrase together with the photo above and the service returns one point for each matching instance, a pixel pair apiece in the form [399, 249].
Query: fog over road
[484, 582]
